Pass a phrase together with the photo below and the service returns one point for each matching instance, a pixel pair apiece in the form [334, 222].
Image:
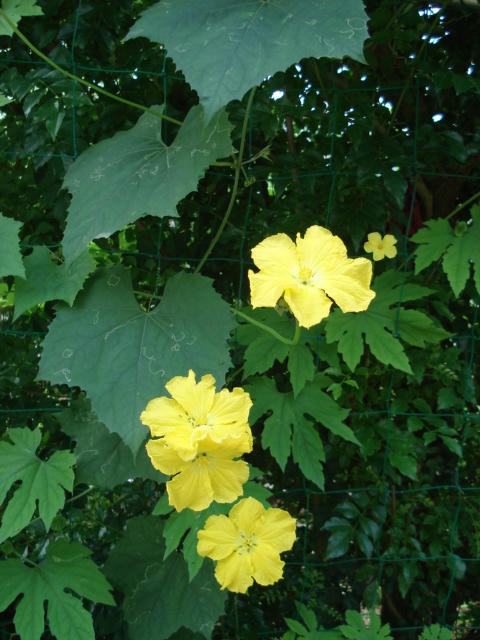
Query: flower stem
[238, 167]
[463, 205]
[49, 61]
[269, 330]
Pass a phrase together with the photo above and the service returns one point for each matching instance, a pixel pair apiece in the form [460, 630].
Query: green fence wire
[454, 490]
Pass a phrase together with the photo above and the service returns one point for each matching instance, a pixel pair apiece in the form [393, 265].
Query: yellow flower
[195, 412]
[211, 475]
[247, 544]
[381, 247]
[309, 274]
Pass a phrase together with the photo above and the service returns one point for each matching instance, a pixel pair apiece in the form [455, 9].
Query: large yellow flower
[309, 274]
[247, 544]
[195, 412]
[381, 247]
[211, 475]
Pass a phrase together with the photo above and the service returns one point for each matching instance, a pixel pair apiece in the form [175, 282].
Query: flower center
[202, 460]
[246, 543]
[304, 274]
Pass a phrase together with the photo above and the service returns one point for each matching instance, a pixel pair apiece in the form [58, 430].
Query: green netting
[455, 491]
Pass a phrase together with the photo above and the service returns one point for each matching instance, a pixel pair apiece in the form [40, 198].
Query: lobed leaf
[16, 10]
[224, 49]
[42, 481]
[135, 173]
[102, 457]
[66, 566]
[123, 357]
[45, 281]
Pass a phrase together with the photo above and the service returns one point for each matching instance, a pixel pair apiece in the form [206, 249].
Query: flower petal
[390, 252]
[235, 573]
[277, 530]
[246, 513]
[227, 478]
[196, 398]
[320, 249]
[276, 253]
[161, 414]
[230, 408]
[190, 489]
[230, 447]
[308, 303]
[265, 289]
[217, 539]
[267, 567]
[349, 284]
[163, 458]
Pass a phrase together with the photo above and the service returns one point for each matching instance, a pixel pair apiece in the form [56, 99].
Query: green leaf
[42, 481]
[263, 348]
[142, 544]
[463, 250]
[296, 626]
[66, 566]
[123, 357]
[308, 452]
[165, 600]
[135, 173]
[433, 239]
[357, 629]
[44, 280]
[10, 257]
[3, 98]
[159, 598]
[416, 328]
[15, 10]
[301, 367]
[229, 47]
[436, 632]
[277, 431]
[102, 457]
[289, 411]
[376, 325]
[341, 534]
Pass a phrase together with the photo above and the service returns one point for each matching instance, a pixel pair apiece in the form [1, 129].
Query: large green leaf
[165, 600]
[10, 257]
[102, 457]
[42, 481]
[66, 566]
[15, 10]
[44, 280]
[159, 597]
[226, 47]
[289, 412]
[135, 173]
[383, 319]
[123, 357]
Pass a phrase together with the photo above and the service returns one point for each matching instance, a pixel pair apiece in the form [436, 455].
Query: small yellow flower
[309, 274]
[381, 247]
[247, 544]
[211, 475]
[195, 411]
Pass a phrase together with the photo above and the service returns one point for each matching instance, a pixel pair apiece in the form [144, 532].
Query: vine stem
[238, 168]
[463, 205]
[269, 330]
[49, 61]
